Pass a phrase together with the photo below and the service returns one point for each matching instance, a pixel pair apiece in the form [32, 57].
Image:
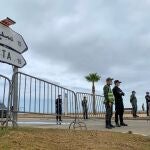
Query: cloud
[69, 39]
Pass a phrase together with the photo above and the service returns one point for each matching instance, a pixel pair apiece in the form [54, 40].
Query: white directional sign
[13, 40]
[11, 57]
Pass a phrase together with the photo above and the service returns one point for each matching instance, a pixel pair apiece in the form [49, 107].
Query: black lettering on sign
[9, 56]
[19, 43]
[4, 51]
[5, 36]
[19, 61]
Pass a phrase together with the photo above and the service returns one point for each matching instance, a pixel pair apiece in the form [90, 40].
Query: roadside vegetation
[54, 139]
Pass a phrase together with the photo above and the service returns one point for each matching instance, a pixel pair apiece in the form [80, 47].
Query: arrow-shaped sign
[11, 39]
[11, 57]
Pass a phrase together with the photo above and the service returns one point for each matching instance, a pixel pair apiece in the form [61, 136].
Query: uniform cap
[109, 79]
[117, 81]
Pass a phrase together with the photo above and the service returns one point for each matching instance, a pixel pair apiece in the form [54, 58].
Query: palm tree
[93, 77]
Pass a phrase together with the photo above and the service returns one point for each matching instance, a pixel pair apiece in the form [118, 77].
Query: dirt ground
[54, 139]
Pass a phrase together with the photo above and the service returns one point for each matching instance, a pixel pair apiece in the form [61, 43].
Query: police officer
[58, 104]
[119, 107]
[109, 100]
[147, 97]
[85, 108]
[133, 101]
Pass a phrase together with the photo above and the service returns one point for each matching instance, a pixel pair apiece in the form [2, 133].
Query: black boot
[60, 118]
[118, 125]
[108, 125]
[57, 120]
[123, 124]
[111, 124]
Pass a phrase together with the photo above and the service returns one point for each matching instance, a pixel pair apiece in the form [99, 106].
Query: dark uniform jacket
[58, 104]
[147, 97]
[118, 93]
[133, 100]
[84, 105]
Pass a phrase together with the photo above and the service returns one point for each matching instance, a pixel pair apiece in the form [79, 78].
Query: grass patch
[54, 139]
[3, 131]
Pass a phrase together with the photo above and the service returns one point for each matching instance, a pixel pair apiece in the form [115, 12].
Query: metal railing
[99, 105]
[37, 96]
[5, 88]
[30, 96]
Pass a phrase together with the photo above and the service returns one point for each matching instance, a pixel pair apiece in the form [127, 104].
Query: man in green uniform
[109, 100]
[133, 101]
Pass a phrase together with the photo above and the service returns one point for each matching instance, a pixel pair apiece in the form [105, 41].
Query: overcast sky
[67, 39]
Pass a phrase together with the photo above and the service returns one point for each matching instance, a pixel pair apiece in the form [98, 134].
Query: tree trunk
[93, 92]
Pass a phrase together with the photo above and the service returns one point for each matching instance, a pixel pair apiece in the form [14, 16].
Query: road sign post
[15, 96]
[12, 45]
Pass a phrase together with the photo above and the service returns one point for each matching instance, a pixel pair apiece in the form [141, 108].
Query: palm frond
[92, 77]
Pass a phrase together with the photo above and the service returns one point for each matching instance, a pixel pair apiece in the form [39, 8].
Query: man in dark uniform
[119, 107]
[133, 101]
[58, 104]
[109, 100]
[85, 108]
[147, 97]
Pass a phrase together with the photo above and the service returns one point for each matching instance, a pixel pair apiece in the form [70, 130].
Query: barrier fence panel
[4, 99]
[99, 105]
[37, 96]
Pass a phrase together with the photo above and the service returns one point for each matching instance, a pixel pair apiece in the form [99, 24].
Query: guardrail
[99, 105]
[29, 95]
[37, 96]
[5, 97]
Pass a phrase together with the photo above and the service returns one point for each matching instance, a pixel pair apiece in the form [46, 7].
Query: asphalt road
[141, 127]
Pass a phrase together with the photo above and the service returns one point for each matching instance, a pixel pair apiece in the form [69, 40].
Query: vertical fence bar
[44, 100]
[30, 94]
[19, 90]
[39, 95]
[25, 94]
[51, 99]
[35, 95]
[48, 98]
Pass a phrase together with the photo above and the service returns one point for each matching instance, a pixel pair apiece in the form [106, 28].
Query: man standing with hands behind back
[109, 100]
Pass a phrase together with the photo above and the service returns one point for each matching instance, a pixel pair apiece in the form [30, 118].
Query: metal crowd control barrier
[5, 88]
[28, 96]
[99, 105]
[37, 96]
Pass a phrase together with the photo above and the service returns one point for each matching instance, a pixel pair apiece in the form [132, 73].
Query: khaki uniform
[109, 98]
[133, 101]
